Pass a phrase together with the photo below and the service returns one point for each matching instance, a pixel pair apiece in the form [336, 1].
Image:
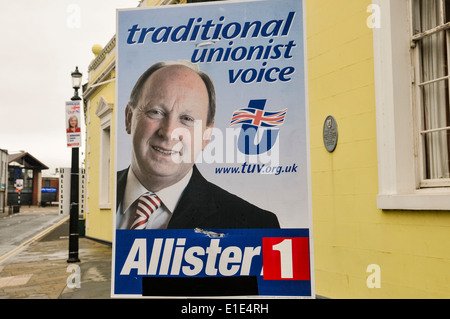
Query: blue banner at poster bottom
[205, 263]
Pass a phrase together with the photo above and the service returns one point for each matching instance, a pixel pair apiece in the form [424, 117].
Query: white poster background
[286, 194]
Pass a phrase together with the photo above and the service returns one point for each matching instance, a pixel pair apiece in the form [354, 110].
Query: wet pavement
[38, 269]
[16, 229]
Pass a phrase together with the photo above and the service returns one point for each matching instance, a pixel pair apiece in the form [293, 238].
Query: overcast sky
[41, 44]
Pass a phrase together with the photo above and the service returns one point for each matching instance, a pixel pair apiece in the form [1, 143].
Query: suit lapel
[196, 207]
[121, 184]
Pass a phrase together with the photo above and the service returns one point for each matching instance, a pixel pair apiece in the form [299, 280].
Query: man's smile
[165, 151]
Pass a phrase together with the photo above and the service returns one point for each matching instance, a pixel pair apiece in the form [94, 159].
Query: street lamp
[76, 83]
[74, 177]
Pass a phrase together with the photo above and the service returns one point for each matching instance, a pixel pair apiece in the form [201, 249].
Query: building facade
[99, 96]
[24, 179]
[381, 197]
[50, 188]
[381, 200]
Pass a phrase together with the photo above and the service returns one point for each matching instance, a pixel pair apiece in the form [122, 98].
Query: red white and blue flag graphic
[257, 117]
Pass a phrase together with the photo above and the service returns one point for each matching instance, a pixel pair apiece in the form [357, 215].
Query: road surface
[18, 228]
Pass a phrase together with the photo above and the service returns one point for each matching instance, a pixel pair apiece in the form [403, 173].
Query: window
[431, 44]
[105, 167]
[412, 104]
[104, 112]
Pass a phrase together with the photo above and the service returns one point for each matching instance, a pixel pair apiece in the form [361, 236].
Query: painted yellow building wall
[153, 3]
[350, 233]
[99, 219]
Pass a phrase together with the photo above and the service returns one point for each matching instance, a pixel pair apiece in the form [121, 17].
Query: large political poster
[212, 152]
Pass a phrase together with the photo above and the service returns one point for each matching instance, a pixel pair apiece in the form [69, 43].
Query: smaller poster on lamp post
[73, 129]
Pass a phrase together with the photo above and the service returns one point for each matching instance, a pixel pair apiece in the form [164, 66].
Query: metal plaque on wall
[330, 134]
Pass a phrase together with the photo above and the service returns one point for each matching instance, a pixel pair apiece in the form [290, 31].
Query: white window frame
[104, 112]
[399, 167]
[424, 182]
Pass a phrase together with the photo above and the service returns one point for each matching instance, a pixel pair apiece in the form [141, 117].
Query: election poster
[212, 152]
[73, 128]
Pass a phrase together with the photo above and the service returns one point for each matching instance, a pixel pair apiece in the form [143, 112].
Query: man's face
[172, 105]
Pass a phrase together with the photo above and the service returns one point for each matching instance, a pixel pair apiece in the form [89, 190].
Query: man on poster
[161, 189]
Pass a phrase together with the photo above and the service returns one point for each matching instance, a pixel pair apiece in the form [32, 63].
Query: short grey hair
[135, 92]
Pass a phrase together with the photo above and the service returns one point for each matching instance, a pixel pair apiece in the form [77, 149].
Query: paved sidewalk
[39, 269]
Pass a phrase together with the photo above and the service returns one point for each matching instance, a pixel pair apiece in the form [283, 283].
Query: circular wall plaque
[330, 134]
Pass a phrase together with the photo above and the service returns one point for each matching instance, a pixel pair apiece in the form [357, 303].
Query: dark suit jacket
[208, 206]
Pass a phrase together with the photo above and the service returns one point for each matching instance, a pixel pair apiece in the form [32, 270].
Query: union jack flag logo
[258, 117]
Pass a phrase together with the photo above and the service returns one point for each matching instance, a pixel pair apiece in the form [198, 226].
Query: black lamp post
[74, 177]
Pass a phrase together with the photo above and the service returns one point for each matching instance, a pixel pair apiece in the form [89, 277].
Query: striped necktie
[147, 205]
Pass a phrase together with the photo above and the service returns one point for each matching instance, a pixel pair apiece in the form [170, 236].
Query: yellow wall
[153, 3]
[350, 233]
[99, 221]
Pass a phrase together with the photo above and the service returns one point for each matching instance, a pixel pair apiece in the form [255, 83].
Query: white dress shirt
[160, 218]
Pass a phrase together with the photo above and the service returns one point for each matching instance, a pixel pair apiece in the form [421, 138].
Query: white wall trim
[398, 176]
